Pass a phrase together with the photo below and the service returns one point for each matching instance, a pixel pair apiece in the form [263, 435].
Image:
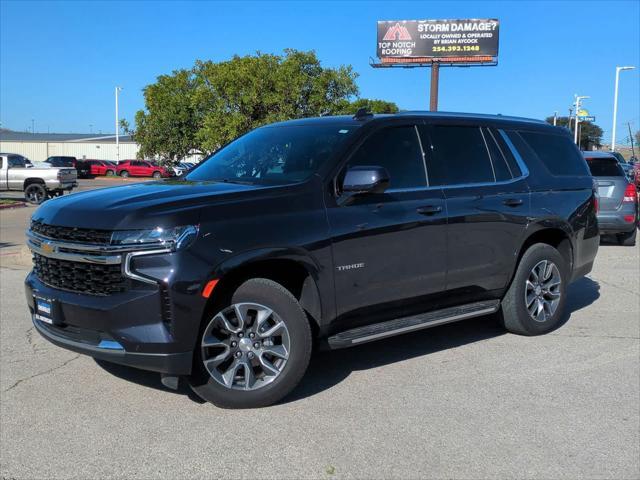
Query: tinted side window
[500, 167]
[398, 150]
[16, 162]
[605, 167]
[459, 156]
[557, 152]
[506, 152]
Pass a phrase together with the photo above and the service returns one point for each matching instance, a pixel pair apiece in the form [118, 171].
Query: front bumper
[126, 328]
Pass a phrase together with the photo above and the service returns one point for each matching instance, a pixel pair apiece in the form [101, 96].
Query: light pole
[615, 106]
[579, 98]
[118, 89]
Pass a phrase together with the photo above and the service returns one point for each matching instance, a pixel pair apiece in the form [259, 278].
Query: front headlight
[174, 238]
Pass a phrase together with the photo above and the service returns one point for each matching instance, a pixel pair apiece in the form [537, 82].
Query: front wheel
[255, 350]
[534, 302]
[110, 173]
[35, 193]
[157, 175]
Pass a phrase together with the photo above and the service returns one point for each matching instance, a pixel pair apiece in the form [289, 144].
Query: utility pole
[633, 151]
[435, 79]
[615, 106]
[33, 122]
[118, 89]
[570, 117]
[579, 99]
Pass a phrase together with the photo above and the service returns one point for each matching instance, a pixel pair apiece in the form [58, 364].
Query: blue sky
[60, 61]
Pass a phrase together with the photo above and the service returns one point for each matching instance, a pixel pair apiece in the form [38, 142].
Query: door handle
[513, 202]
[429, 209]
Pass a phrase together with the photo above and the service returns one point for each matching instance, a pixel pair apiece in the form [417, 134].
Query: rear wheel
[255, 350]
[627, 239]
[35, 193]
[534, 302]
[124, 173]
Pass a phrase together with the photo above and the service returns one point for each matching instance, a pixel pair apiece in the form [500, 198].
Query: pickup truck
[38, 184]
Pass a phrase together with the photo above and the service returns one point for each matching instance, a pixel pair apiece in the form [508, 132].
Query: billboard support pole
[435, 78]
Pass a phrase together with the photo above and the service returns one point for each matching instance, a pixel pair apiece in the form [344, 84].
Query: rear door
[15, 181]
[487, 200]
[389, 249]
[3, 173]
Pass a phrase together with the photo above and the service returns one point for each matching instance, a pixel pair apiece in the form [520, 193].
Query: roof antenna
[362, 114]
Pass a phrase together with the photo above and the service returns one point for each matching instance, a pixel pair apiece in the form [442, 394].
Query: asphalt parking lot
[463, 400]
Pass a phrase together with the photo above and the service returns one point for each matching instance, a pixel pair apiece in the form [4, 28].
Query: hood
[140, 205]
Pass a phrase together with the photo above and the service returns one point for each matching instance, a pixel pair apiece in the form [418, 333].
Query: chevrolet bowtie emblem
[47, 247]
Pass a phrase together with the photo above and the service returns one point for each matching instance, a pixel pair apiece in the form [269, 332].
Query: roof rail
[363, 114]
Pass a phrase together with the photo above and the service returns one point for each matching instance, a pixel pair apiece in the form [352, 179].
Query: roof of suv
[351, 120]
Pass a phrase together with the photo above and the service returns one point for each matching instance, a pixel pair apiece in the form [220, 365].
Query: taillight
[630, 194]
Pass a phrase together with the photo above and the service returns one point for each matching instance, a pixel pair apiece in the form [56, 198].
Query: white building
[37, 147]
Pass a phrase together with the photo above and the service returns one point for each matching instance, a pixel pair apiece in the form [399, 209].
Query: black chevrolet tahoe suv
[326, 232]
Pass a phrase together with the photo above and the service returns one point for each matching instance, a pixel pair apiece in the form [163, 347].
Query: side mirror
[365, 179]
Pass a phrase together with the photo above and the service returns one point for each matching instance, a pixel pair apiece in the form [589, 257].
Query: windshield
[273, 155]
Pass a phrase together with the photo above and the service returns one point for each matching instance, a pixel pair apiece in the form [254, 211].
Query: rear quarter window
[605, 167]
[557, 152]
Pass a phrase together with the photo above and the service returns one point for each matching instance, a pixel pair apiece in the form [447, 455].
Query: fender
[555, 223]
[317, 291]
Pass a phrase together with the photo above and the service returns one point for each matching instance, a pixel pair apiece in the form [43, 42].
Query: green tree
[590, 133]
[372, 105]
[168, 126]
[203, 108]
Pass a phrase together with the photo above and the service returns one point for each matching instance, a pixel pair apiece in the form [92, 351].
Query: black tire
[513, 312]
[124, 173]
[110, 173]
[35, 193]
[627, 239]
[280, 300]
[156, 175]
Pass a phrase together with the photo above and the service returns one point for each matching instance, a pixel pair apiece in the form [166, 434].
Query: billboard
[466, 41]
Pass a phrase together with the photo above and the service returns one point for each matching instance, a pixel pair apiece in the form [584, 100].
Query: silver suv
[618, 207]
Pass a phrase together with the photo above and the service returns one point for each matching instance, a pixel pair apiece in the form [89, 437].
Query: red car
[100, 167]
[636, 173]
[141, 168]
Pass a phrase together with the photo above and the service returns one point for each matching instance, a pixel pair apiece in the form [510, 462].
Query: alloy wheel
[542, 291]
[35, 195]
[245, 346]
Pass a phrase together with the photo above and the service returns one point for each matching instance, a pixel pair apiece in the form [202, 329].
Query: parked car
[627, 167]
[636, 173]
[58, 161]
[333, 231]
[37, 183]
[100, 167]
[618, 199]
[69, 162]
[141, 168]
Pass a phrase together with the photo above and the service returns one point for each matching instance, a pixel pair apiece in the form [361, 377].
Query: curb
[13, 205]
